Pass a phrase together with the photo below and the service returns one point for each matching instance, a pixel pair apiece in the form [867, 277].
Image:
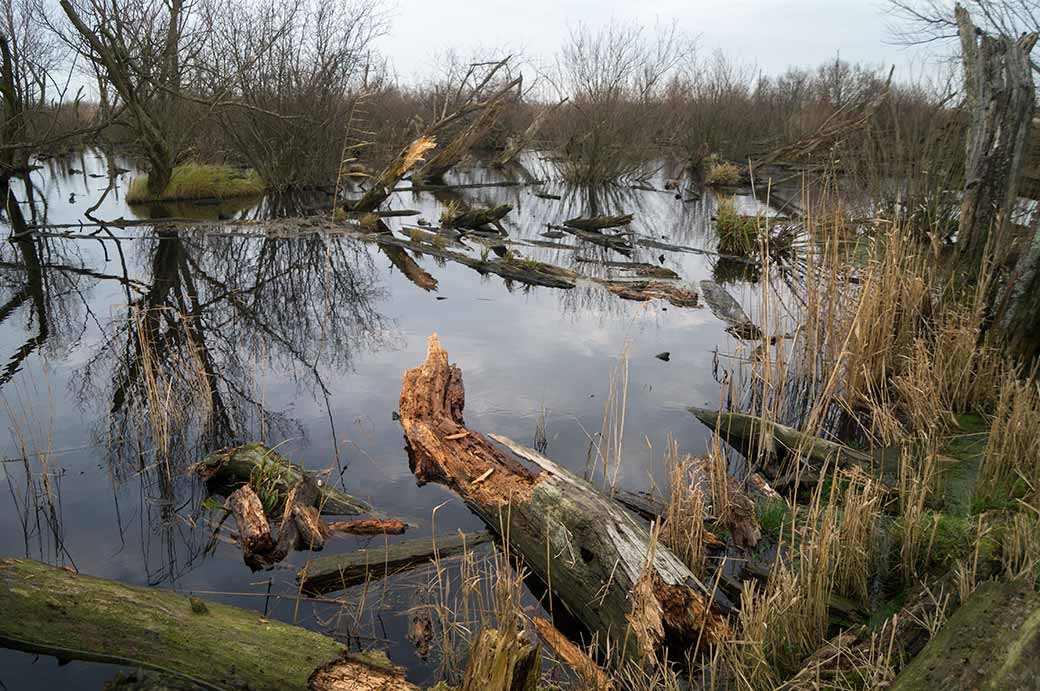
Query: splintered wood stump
[254, 532]
[635, 596]
[51, 611]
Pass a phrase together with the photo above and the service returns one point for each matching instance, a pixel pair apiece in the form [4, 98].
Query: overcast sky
[771, 35]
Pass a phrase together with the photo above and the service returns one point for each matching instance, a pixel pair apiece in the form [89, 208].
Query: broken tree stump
[51, 611]
[633, 595]
[254, 532]
[340, 571]
[231, 468]
[502, 661]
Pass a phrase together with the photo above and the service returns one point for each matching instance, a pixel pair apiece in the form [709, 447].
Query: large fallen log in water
[231, 468]
[632, 594]
[340, 571]
[51, 611]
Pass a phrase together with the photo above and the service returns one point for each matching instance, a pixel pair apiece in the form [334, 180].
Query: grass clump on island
[199, 181]
[738, 235]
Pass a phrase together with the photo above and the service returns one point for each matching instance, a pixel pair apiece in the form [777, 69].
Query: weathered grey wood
[634, 595]
[726, 308]
[231, 468]
[51, 611]
[598, 223]
[340, 571]
[1000, 99]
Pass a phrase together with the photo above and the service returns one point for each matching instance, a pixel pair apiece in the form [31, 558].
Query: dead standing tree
[1000, 99]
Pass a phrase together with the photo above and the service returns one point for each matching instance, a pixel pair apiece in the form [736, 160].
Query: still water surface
[303, 341]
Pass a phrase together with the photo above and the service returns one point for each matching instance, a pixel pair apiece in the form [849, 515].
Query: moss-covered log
[633, 595]
[229, 469]
[597, 223]
[781, 444]
[339, 571]
[475, 219]
[991, 642]
[51, 611]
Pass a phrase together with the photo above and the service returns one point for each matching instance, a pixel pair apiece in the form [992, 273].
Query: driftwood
[620, 243]
[369, 526]
[999, 92]
[726, 308]
[597, 223]
[340, 571]
[231, 468]
[631, 593]
[51, 611]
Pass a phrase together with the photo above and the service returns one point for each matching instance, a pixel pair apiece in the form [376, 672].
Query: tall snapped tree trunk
[1000, 97]
[633, 595]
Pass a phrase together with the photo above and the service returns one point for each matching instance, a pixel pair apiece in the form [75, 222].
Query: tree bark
[631, 593]
[51, 611]
[1000, 97]
[254, 533]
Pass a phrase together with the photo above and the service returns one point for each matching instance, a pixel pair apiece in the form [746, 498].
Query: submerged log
[231, 468]
[340, 571]
[632, 594]
[51, 611]
[369, 526]
[727, 309]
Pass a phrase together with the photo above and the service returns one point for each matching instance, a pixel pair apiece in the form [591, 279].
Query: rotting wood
[52, 611]
[642, 291]
[576, 658]
[340, 571]
[254, 533]
[369, 526]
[309, 526]
[475, 219]
[502, 661]
[407, 266]
[600, 553]
[231, 468]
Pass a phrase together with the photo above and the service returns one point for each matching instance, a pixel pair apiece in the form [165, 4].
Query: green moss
[949, 536]
[772, 516]
[199, 181]
[886, 610]
[958, 478]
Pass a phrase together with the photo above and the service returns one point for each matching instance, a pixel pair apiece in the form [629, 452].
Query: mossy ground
[199, 181]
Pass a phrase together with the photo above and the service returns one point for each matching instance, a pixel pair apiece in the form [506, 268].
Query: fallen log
[407, 266]
[642, 291]
[340, 571]
[597, 223]
[51, 611]
[369, 526]
[783, 444]
[475, 219]
[230, 468]
[727, 309]
[631, 593]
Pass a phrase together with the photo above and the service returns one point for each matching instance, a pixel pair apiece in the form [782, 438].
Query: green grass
[199, 181]
[771, 517]
[738, 235]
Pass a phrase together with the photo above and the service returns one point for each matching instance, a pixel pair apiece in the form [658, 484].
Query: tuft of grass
[771, 517]
[199, 181]
[738, 235]
[723, 174]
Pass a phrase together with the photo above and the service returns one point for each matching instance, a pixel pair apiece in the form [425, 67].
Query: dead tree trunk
[632, 594]
[1000, 97]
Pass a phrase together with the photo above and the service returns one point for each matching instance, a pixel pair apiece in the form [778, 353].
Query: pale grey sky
[771, 35]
